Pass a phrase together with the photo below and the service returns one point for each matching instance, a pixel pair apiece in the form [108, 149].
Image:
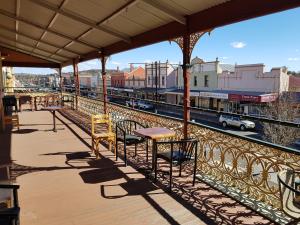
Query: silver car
[236, 121]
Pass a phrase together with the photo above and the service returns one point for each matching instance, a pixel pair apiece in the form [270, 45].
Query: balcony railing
[248, 165]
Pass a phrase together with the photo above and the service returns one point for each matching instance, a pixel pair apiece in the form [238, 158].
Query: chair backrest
[289, 195]
[188, 147]
[128, 126]
[101, 119]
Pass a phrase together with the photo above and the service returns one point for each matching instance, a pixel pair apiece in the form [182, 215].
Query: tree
[284, 109]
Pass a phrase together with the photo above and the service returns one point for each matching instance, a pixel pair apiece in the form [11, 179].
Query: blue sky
[273, 40]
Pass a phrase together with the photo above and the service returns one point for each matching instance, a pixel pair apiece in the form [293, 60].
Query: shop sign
[268, 98]
[252, 98]
[213, 95]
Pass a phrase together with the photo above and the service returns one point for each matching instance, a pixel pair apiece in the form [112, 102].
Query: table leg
[54, 124]
[153, 153]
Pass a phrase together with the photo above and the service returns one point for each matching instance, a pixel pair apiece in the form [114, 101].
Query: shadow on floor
[24, 131]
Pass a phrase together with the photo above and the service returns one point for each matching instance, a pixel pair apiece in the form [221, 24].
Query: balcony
[62, 182]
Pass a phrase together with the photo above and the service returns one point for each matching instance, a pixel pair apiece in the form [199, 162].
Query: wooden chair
[104, 121]
[13, 120]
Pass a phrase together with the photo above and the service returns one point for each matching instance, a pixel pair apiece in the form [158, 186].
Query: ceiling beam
[52, 20]
[35, 39]
[18, 6]
[18, 49]
[30, 64]
[168, 12]
[31, 46]
[106, 19]
[21, 19]
[82, 20]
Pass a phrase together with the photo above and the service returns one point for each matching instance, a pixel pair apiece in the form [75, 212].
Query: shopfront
[249, 104]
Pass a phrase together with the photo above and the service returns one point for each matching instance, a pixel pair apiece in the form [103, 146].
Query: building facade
[253, 78]
[135, 78]
[203, 78]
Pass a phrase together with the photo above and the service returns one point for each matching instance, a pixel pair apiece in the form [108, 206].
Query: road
[207, 118]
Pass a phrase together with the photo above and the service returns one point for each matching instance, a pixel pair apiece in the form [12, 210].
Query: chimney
[131, 67]
[117, 68]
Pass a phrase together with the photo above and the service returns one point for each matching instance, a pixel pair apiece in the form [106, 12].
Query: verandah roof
[59, 31]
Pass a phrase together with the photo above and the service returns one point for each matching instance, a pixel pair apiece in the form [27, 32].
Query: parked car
[236, 121]
[144, 105]
[139, 104]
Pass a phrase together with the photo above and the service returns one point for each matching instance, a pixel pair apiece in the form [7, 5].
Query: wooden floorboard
[62, 184]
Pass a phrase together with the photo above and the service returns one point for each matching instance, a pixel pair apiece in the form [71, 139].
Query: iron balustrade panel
[240, 162]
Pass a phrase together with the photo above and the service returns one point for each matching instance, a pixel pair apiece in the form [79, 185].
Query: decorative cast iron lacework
[193, 40]
[247, 166]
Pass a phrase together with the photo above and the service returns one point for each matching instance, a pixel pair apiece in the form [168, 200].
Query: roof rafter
[52, 20]
[31, 46]
[168, 12]
[34, 39]
[12, 16]
[18, 6]
[28, 53]
[112, 15]
[82, 20]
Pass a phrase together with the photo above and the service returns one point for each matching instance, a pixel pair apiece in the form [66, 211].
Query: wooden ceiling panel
[79, 47]
[41, 52]
[69, 26]
[47, 47]
[25, 40]
[98, 37]
[97, 9]
[24, 47]
[35, 13]
[30, 30]
[6, 21]
[8, 5]
[52, 38]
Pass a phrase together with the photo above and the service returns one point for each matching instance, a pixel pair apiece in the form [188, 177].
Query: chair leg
[195, 169]
[135, 150]
[180, 168]
[170, 181]
[116, 150]
[147, 151]
[92, 148]
[125, 153]
[155, 169]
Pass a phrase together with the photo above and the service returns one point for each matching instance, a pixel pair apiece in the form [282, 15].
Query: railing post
[103, 71]
[76, 81]
[60, 81]
[186, 83]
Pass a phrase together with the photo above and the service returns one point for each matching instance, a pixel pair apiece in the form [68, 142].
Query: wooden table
[155, 133]
[53, 109]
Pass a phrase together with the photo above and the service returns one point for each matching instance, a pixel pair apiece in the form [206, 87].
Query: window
[206, 81]
[163, 81]
[195, 81]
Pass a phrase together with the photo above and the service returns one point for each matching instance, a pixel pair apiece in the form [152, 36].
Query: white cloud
[238, 44]
[116, 63]
[294, 59]
[224, 57]
[148, 61]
